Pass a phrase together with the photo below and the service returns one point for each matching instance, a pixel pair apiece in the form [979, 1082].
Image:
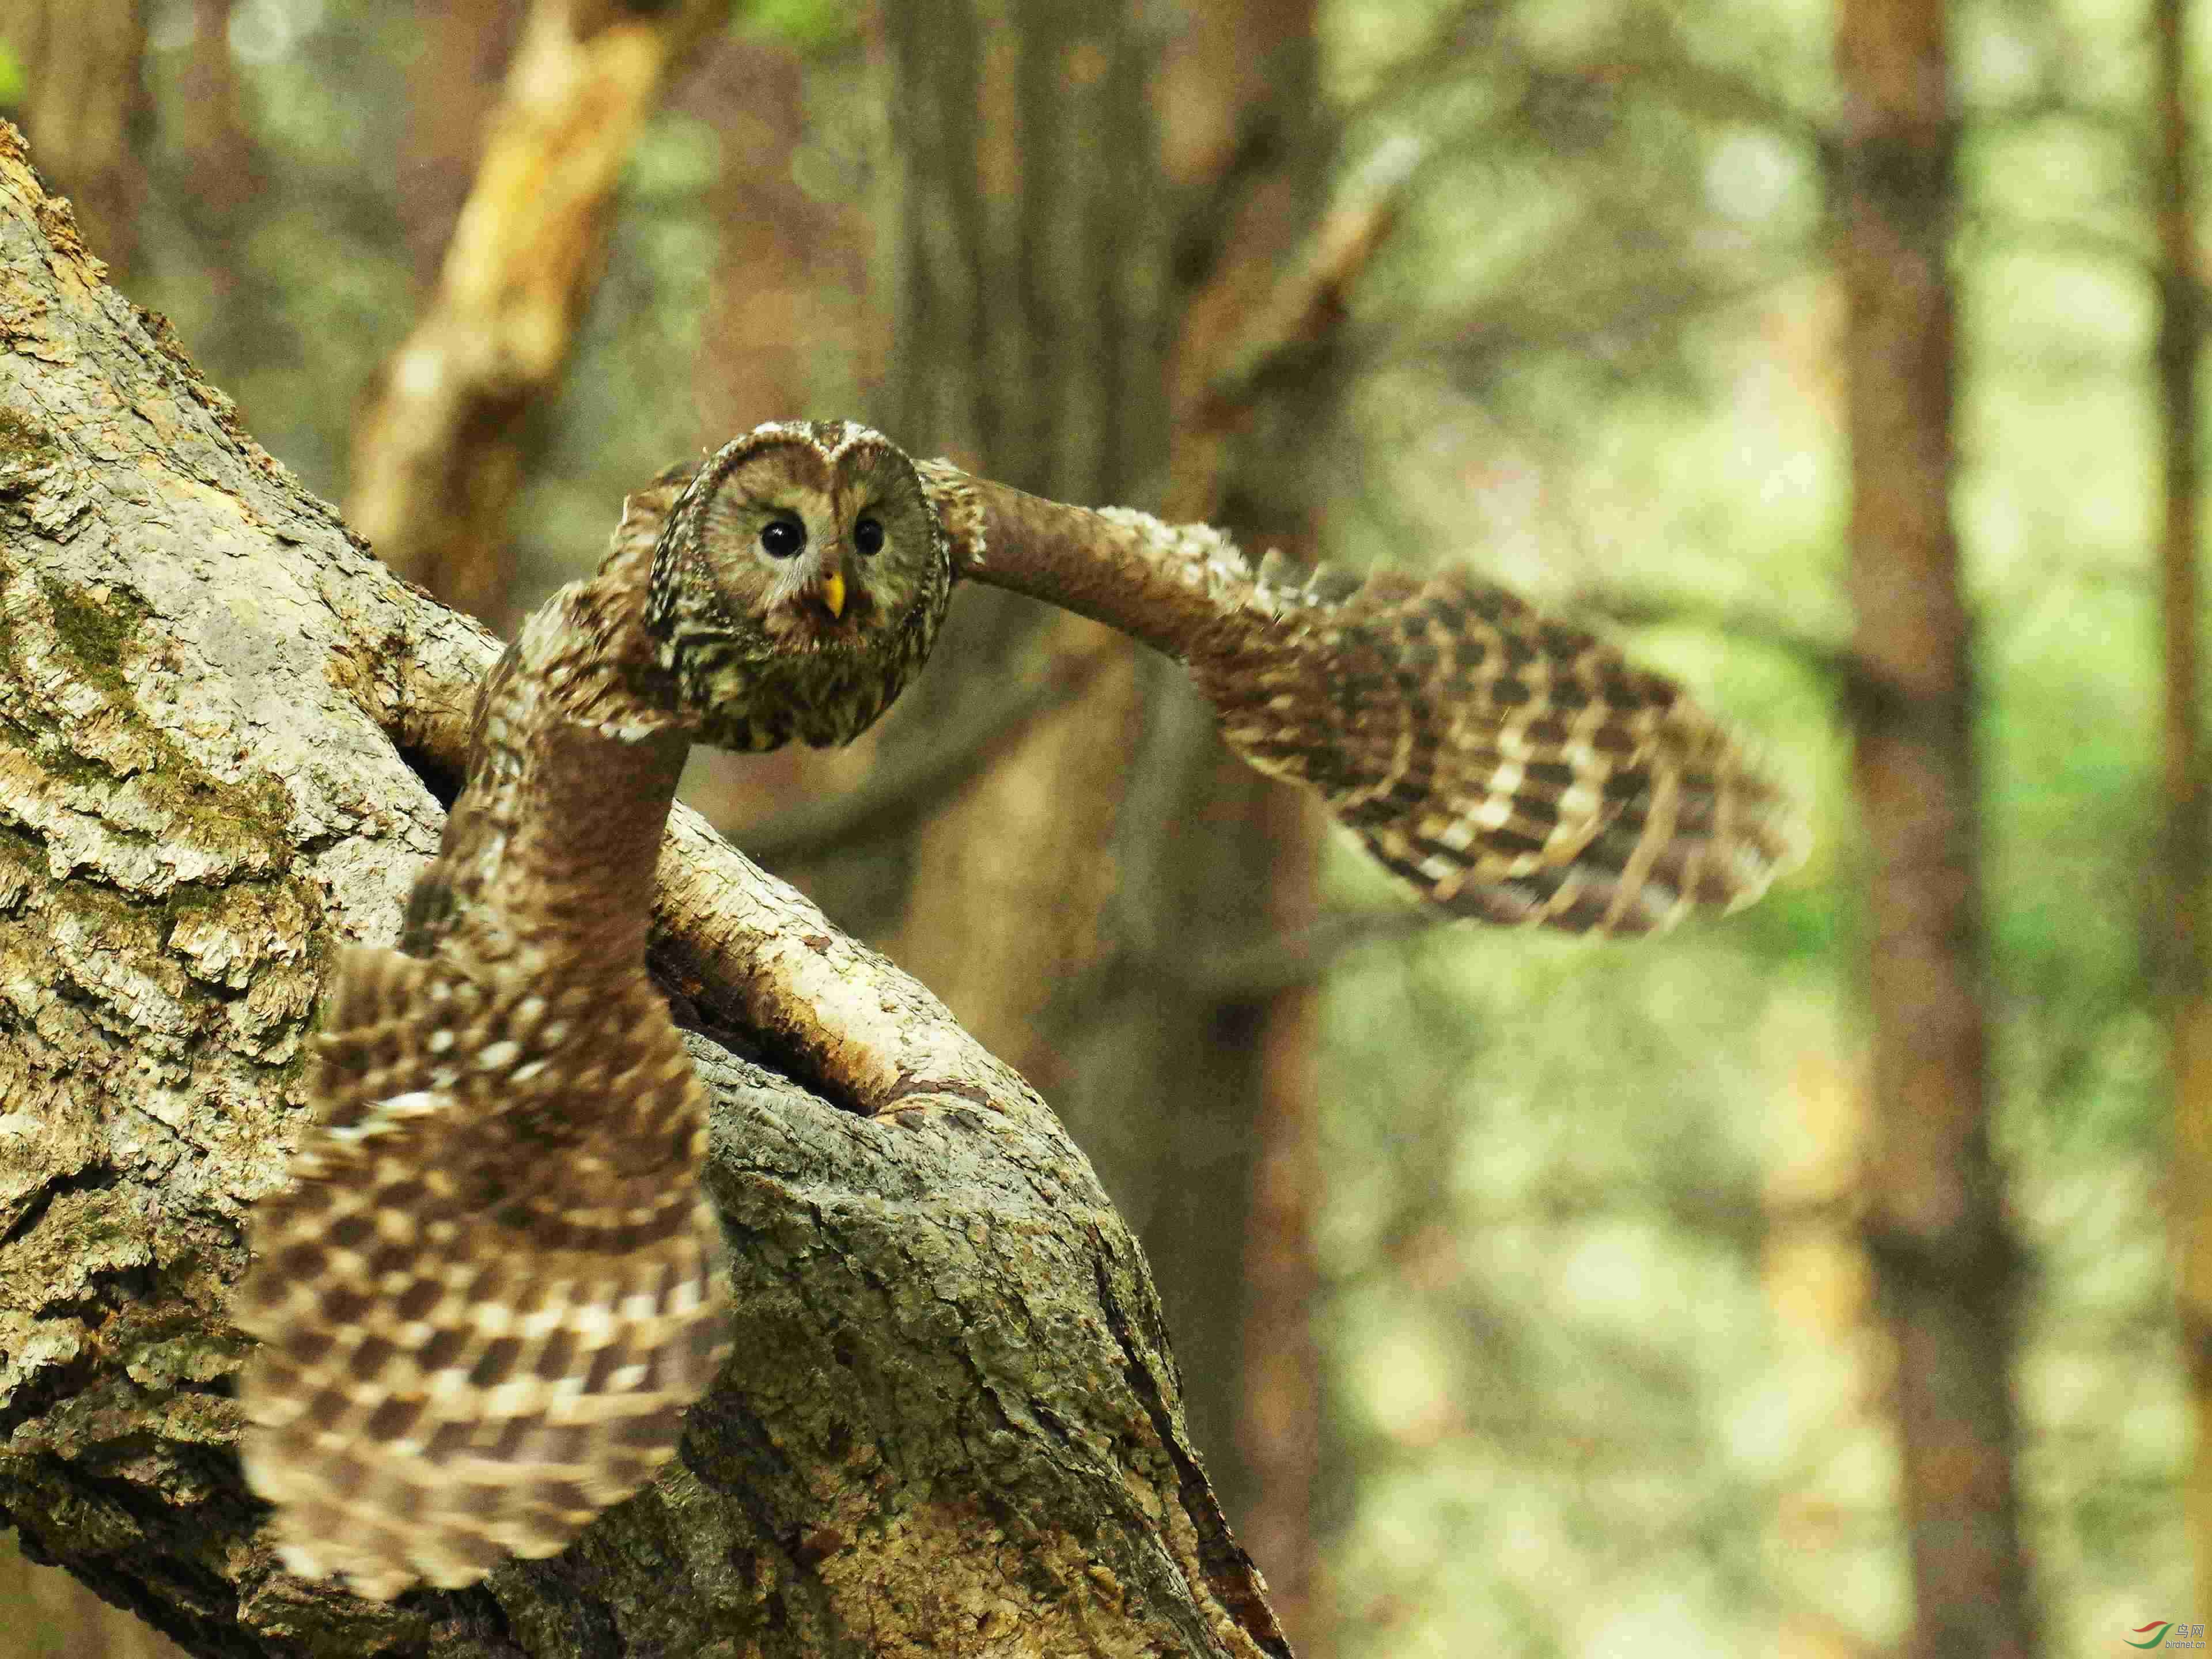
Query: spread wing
[489, 1297]
[1511, 768]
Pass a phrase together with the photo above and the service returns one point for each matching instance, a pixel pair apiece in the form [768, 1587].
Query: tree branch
[434, 461]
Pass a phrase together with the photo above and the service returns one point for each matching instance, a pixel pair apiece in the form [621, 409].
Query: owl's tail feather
[490, 1407]
[468, 1348]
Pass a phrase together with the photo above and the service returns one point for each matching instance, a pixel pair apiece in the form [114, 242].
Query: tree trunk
[790, 331]
[1034, 312]
[216, 186]
[2177, 949]
[951, 1424]
[1279, 1369]
[1945, 1265]
[1096, 203]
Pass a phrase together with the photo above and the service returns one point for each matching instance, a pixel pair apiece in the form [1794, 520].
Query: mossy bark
[952, 1425]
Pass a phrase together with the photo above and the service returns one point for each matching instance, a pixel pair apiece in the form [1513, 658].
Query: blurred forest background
[1533, 1295]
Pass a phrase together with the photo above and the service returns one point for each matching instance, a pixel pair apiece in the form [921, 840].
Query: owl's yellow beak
[833, 593]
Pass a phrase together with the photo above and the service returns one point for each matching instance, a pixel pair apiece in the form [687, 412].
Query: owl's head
[797, 584]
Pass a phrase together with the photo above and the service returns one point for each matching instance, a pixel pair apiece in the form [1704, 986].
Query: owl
[492, 1288]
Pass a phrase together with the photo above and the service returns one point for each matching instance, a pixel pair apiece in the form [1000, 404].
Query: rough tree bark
[951, 1425]
[1945, 1265]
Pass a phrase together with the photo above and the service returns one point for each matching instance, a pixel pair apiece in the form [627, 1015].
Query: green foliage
[1613, 280]
[14, 85]
[810, 25]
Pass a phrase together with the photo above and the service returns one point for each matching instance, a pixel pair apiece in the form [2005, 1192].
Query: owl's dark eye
[782, 538]
[868, 536]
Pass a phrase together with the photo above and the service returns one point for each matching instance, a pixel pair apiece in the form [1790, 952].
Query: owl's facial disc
[798, 583]
[821, 541]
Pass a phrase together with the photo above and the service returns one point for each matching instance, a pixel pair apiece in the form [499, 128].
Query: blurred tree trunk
[85, 106]
[1035, 307]
[452, 88]
[1945, 1265]
[1279, 1410]
[436, 455]
[1096, 202]
[217, 192]
[791, 329]
[2178, 947]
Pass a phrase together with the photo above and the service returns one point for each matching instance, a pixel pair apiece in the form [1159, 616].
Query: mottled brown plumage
[493, 1288]
[1509, 767]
